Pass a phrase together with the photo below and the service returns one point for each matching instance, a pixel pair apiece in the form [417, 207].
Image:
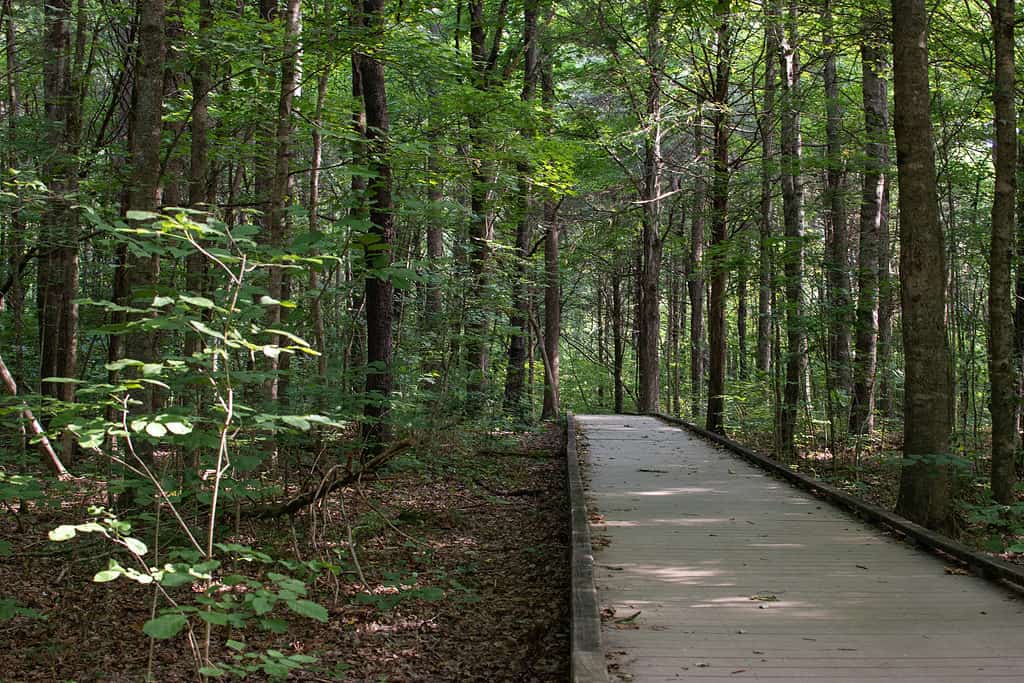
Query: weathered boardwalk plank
[736, 575]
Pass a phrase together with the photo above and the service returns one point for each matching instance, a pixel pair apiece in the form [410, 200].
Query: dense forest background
[252, 250]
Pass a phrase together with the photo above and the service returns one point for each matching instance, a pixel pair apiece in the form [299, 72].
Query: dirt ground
[464, 550]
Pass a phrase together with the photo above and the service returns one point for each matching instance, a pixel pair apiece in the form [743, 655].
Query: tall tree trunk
[793, 217]
[57, 288]
[649, 323]
[144, 192]
[717, 339]
[837, 243]
[924, 494]
[695, 282]
[618, 341]
[519, 318]
[552, 312]
[379, 290]
[766, 124]
[874, 64]
[279, 186]
[317, 312]
[481, 229]
[1000, 302]
[199, 163]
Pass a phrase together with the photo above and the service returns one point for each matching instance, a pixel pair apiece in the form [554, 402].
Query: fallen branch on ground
[329, 483]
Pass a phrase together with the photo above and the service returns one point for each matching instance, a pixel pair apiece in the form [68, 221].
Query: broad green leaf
[155, 429]
[261, 606]
[308, 608]
[161, 301]
[215, 618]
[90, 528]
[141, 215]
[211, 671]
[296, 421]
[136, 546]
[167, 626]
[198, 301]
[235, 645]
[179, 428]
[106, 575]
[62, 533]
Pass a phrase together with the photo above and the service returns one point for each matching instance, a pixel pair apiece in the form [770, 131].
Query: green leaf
[161, 301]
[167, 626]
[235, 645]
[308, 608]
[261, 606]
[211, 671]
[178, 428]
[199, 301]
[106, 575]
[155, 429]
[62, 533]
[296, 421]
[136, 546]
[215, 618]
[275, 625]
[141, 215]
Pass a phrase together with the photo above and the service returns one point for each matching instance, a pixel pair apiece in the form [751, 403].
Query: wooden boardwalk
[716, 570]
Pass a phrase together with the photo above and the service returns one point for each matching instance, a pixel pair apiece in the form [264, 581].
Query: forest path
[733, 574]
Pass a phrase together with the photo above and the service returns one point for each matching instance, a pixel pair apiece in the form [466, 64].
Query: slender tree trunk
[717, 339]
[316, 312]
[837, 247]
[874, 64]
[518, 320]
[741, 321]
[57, 279]
[552, 312]
[618, 341]
[279, 186]
[649, 323]
[766, 124]
[1000, 302]
[144, 193]
[481, 231]
[199, 162]
[695, 283]
[793, 217]
[924, 495]
[379, 291]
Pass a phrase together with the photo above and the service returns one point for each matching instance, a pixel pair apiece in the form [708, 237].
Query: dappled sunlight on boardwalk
[707, 568]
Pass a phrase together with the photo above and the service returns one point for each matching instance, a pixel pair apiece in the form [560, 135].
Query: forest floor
[464, 548]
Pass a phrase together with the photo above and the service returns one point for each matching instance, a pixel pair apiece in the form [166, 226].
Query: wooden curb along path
[587, 655]
[715, 570]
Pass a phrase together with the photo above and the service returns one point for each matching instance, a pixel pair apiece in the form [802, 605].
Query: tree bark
[695, 282]
[1000, 301]
[924, 494]
[793, 218]
[57, 288]
[766, 124]
[649, 323]
[837, 241]
[379, 290]
[874, 64]
[519, 317]
[717, 339]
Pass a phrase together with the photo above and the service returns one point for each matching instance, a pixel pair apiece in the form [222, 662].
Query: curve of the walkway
[708, 568]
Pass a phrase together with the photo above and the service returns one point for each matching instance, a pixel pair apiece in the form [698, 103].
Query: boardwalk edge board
[588, 665]
[988, 567]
